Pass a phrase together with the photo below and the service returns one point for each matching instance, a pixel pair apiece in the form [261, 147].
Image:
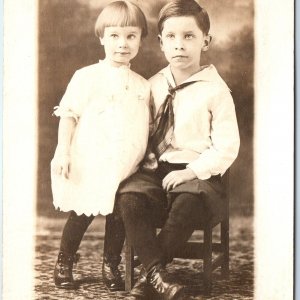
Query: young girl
[102, 138]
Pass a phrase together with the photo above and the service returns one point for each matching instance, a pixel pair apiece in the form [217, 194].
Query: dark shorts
[148, 183]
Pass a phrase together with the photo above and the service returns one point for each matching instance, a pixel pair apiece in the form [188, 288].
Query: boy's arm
[225, 139]
[61, 161]
[225, 145]
[174, 178]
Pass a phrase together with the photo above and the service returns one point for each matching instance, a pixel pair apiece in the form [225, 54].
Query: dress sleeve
[224, 136]
[74, 99]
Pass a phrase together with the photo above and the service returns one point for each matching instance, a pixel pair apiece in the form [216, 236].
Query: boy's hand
[150, 162]
[60, 165]
[175, 178]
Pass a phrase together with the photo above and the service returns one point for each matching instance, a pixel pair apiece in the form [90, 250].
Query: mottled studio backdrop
[67, 42]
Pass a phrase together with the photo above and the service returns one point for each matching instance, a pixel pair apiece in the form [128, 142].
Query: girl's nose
[123, 43]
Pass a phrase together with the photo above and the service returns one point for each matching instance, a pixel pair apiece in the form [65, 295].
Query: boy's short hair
[180, 8]
[121, 13]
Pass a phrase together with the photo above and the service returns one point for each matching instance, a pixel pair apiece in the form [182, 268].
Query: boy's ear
[160, 41]
[207, 41]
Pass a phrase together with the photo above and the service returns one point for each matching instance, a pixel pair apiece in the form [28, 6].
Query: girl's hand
[60, 165]
[175, 178]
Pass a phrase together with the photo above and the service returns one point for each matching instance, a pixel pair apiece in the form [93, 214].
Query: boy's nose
[179, 44]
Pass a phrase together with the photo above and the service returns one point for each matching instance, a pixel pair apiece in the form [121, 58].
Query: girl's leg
[186, 211]
[72, 235]
[113, 244]
[73, 232]
[113, 239]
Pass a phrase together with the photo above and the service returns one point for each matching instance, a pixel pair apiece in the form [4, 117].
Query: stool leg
[225, 248]
[129, 270]
[207, 259]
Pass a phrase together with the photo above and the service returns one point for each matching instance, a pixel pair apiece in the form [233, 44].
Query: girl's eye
[113, 35]
[170, 35]
[132, 36]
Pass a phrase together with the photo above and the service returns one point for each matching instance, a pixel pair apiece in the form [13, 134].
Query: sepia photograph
[143, 154]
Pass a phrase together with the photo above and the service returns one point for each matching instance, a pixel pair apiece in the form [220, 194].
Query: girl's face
[121, 44]
[182, 42]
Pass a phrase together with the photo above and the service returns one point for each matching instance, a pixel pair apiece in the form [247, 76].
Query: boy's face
[121, 44]
[182, 41]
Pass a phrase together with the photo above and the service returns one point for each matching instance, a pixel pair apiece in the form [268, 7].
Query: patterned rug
[187, 272]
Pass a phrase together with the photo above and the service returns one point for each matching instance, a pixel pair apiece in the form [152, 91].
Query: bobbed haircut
[121, 13]
[180, 8]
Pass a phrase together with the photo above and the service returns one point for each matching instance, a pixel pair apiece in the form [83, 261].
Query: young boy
[195, 140]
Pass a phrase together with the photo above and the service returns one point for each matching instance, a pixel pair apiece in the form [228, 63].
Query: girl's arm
[150, 162]
[61, 161]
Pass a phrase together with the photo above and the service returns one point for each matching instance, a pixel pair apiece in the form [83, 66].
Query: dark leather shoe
[158, 278]
[111, 276]
[141, 289]
[63, 276]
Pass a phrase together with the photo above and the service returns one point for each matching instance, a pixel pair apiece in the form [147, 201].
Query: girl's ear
[101, 41]
[206, 43]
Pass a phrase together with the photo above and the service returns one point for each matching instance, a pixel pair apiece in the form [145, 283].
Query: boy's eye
[188, 36]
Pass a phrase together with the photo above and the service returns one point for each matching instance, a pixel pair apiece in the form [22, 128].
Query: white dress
[110, 106]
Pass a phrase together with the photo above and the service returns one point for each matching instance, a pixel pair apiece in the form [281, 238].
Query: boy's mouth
[179, 56]
[123, 53]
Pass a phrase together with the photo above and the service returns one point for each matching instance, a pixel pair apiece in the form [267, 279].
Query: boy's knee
[187, 201]
[188, 206]
[131, 204]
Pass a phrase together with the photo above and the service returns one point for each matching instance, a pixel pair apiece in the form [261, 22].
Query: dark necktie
[162, 136]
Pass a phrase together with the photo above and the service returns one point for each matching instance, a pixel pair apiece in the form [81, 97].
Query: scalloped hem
[82, 212]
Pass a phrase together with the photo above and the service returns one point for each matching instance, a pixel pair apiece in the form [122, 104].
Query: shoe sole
[117, 288]
[179, 295]
[66, 287]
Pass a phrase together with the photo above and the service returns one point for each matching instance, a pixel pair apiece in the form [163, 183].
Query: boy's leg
[186, 211]
[113, 244]
[73, 232]
[140, 231]
[138, 214]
